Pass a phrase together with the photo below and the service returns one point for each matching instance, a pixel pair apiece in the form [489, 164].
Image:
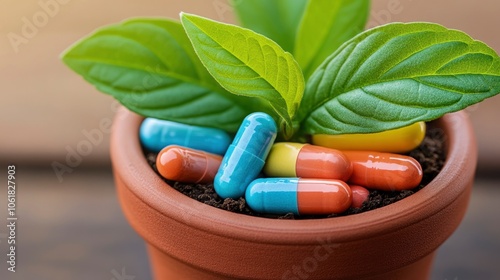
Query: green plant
[332, 80]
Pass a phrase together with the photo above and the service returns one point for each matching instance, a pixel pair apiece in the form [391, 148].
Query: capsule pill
[307, 161]
[298, 196]
[187, 165]
[246, 156]
[400, 140]
[359, 195]
[157, 134]
[384, 171]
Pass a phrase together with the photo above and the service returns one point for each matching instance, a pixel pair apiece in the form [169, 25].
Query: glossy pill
[384, 171]
[157, 134]
[246, 156]
[187, 165]
[359, 195]
[298, 196]
[307, 161]
[400, 140]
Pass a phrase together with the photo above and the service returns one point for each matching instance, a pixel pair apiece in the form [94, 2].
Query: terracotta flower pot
[187, 239]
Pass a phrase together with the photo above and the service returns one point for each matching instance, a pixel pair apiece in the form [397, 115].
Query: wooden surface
[77, 231]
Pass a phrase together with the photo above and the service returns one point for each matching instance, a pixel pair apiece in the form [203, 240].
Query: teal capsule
[157, 134]
[273, 195]
[299, 196]
[246, 156]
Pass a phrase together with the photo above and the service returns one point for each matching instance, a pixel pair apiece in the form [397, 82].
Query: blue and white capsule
[246, 156]
[156, 134]
[298, 196]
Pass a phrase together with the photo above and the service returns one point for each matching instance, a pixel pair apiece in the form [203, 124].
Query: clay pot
[187, 239]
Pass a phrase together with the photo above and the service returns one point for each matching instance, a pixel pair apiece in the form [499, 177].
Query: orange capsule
[307, 161]
[359, 195]
[384, 171]
[187, 165]
[323, 196]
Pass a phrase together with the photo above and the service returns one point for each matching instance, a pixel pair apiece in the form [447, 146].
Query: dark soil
[430, 154]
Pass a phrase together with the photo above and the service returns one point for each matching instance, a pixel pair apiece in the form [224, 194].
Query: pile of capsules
[298, 178]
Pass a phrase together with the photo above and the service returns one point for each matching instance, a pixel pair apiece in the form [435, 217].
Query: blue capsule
[298, 196]
[246, 156]
[157, 134]
[273, 195]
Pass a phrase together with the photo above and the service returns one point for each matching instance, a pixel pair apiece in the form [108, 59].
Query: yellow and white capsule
[400, 140]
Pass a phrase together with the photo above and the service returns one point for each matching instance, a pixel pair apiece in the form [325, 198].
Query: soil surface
[430, 154]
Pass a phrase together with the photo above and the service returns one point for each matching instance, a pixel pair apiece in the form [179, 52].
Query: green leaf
[398, 74]
[326, 25]
[275, 19]
[249, 64]
[149, 65]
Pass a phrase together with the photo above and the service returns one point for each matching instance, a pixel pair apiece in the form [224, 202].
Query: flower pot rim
[128, 159]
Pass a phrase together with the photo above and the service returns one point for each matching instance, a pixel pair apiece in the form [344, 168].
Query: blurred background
[70, 226]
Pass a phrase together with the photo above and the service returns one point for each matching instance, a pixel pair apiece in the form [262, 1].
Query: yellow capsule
[400, 140]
